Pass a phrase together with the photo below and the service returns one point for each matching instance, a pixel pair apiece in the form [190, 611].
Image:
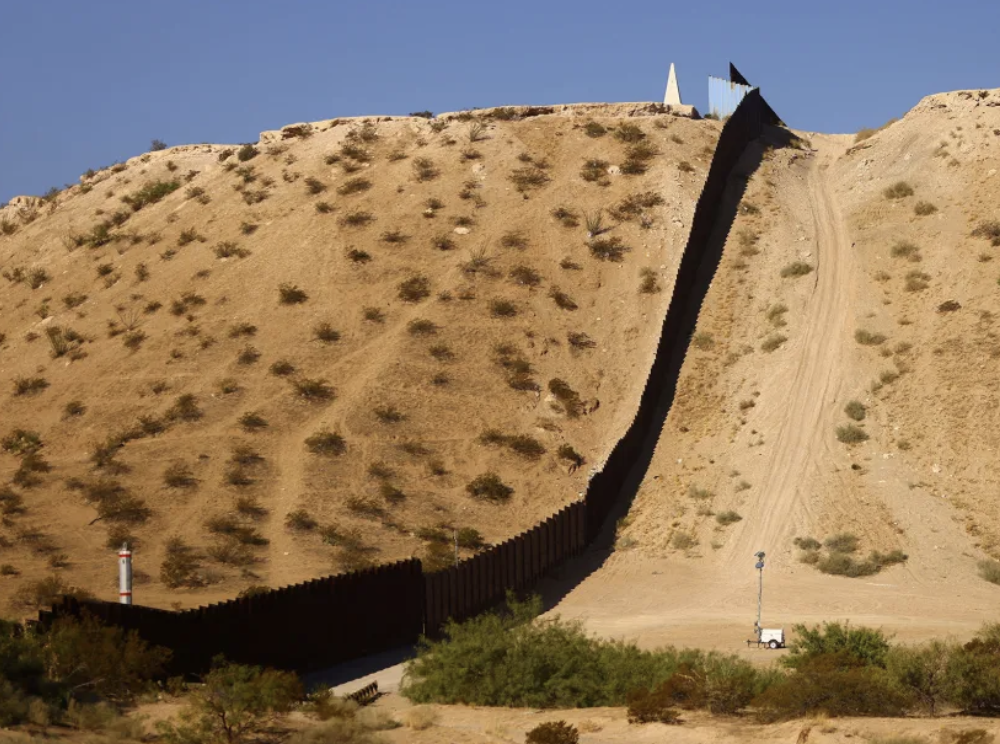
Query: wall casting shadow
[666, 371]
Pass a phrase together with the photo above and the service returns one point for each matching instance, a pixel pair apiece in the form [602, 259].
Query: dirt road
[708, 598]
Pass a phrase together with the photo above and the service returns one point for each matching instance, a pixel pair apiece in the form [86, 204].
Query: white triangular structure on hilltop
[673, 95]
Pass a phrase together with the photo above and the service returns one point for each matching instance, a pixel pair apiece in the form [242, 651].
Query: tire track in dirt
[812, 384]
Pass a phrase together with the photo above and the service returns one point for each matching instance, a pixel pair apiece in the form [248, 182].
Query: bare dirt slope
[893, 306]
[440, 296]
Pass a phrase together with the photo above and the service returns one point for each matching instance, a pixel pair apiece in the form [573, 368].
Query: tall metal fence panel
[725, 96]
[339, 618]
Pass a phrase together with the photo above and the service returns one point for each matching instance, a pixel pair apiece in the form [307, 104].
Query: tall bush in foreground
[236, 703]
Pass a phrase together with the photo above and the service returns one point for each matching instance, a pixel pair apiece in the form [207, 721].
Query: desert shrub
[246, 152]
[248, 355]
[579, 340]
[916, 281]
[989, 570]
[553, 732]
[906, 249]
[388, 414]
[502, 308]
[629, 133]
[975, 684]
[229, 249]
[867, 338]
[989, 229]
[595, 170]
[414, 289]
[489, 487]
[727, 518]
[833, 685]
[235, 703]
[326, 443]
[29, 385]
[608, 249]
[358, 256]
[373, 315]
[528, 178]
[242, 329]
[313, 389]
[922, 671]
[648, 283]
[470, 538]
[44, 593]
[772, 342]
[179, 475]
[593, 129]
[443, 243]
[357, 218]
[566, 217]
[526, 446]
[512, 659]
[844, 542]
[652, 706]
[326, 333]
[851, 434]
[424, 169]
[282, 368]
[289, 294]
[795, 269]
[567, 397]
[525, 276]
[856, 410]
[682, 541]
[351, 186]
[422, 327]
[922, 208]
[703, 340]
[252, 421]
[898, 190]
[300, 520]
[150, 194]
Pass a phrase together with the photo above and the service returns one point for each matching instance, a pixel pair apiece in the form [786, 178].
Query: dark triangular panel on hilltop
[735, 76]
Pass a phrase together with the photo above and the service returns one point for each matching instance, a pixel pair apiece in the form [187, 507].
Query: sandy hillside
[832, 291]
[431, 295]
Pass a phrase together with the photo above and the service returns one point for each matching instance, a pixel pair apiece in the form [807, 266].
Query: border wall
[338, 618]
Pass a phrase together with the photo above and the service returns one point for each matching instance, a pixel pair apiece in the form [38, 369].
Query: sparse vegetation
[489, 487]
[867, 338]
[906, 249]
[851, 434]
[988, 229]
[856, 410]
[898, 190]
[326, 443]
[414, 289]
[289, 294]
[773, 342]
[796, 269]
[923, 209]
[608, 249]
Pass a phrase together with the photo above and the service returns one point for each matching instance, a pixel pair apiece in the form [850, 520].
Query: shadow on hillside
[565, 578]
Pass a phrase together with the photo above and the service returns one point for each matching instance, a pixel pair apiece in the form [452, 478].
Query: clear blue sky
[87, 82]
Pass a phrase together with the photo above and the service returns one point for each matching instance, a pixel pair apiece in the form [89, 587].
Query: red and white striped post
[124, 575]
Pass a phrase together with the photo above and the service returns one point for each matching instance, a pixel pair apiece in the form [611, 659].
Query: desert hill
[342, 344]
[838, 406]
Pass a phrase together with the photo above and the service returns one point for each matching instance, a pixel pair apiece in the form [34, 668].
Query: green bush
[975, 682]
[864, 646]
[832, 684]
[236, 703]
[923, 672]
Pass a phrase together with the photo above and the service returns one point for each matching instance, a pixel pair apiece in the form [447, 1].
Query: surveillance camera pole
[760, 589]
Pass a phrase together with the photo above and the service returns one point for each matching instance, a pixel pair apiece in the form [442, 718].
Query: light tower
[760, 589]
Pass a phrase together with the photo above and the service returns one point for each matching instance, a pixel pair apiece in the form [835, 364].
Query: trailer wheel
[772, 644]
